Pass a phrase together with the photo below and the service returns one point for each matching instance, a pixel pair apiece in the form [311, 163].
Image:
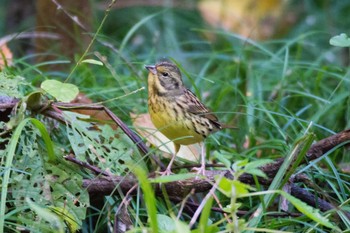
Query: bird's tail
[224, 126]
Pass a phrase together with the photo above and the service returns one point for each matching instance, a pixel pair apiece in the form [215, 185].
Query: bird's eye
[165, 74]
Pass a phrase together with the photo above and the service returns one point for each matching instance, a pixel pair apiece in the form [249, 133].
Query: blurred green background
[265, 66]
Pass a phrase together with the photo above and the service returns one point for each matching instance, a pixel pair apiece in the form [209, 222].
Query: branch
[133, 136]
[107, 185]
[176, 189]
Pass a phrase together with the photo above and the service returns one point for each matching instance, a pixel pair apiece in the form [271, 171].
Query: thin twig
[204, 201]
[183, 203]
[25, 35]
[124, 202]
[92, 168]
[239, 212]
[133, 136]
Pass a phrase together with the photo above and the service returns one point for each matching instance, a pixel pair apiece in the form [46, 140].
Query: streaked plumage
[175, 110]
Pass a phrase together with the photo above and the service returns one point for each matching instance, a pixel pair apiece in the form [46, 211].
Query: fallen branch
[108, 185]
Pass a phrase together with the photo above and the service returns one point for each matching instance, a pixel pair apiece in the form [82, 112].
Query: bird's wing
[197, 108]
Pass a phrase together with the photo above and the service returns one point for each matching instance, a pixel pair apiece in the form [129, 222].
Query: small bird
[176, 111]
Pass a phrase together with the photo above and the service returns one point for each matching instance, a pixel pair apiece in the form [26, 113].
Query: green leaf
[40, 176]
[172, 178]
[64, 92]
[309, 211]
[182, 227]
[92, 61]
[257, 164]
[252, 167]
[11, 149]
[33, 100]
[226, 187]
[203, 221]
[46, 137]
[341, 40]
[55, 221]
[10, 85]
[287, 168]
[67, 217]
[165, 223]
[257, 172]
[113, 149]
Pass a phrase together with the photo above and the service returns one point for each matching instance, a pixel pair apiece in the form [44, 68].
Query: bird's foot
[199, 171]
[166, 172]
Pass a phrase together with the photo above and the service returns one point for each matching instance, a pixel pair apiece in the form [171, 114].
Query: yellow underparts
[180, 131]
[169, 118]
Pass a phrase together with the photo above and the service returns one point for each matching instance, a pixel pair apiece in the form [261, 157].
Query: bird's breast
[175, 123]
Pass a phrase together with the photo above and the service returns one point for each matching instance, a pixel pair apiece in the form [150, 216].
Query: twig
[24, 35]
[203, 202]
[106, 185]
[94, 36]
[239, 212]
[92, 168]
[123, 218]
[183, 203]
[134, 137]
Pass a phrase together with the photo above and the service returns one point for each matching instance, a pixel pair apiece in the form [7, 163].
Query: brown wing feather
[196, 107]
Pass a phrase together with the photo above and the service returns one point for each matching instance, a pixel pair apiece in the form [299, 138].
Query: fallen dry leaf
[145, 127]
[254, 19]
[98, 115]
[5, 56]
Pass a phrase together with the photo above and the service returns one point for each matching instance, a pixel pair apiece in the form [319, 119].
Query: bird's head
[165, 77]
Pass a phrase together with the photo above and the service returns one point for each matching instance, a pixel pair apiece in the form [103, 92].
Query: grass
[273, 91]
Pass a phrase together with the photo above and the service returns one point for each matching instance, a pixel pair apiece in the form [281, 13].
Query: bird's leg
[167, 171]
[201, 169]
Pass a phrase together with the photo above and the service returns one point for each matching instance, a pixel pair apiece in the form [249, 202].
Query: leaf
[257, 172]
[47, 180]
[33, 100]
[288, 167]
[55, 222]
[5, 56]
[172, 178]
[204, 219]
[10, 85]
[111, 150]
[239, 16]
[341, 40]
[309, 211]
[68, 218]
[257, 163]
[64, 92]
[92, 61]
[226, 187]
[182, 227]
[165, 223]
[253, 167]
[145, 127]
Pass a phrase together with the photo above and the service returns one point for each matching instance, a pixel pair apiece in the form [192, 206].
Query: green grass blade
[55, 222]
[134, 29]
[310, 212]
[287, 169]
[5, 180]
[203, 221]
[46, 137]
[150, 199]
[10, 155]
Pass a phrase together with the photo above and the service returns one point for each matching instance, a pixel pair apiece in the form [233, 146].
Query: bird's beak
[151, 69]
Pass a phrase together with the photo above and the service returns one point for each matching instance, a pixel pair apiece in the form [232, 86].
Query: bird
[177, 112]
